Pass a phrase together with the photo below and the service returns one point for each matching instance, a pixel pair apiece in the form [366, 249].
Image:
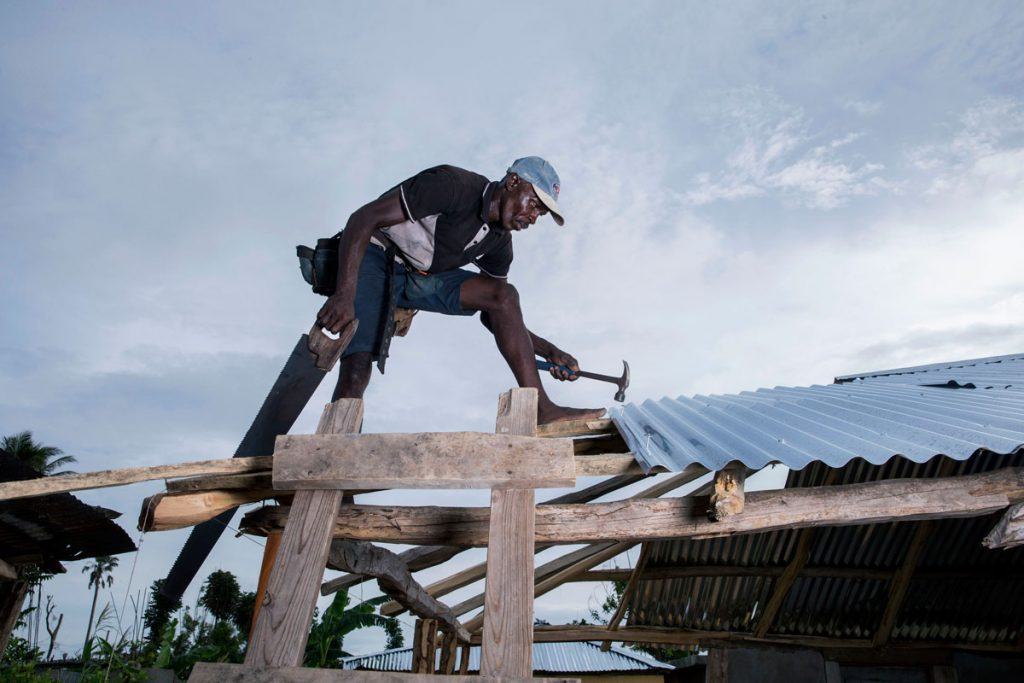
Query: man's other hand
[336, 313]
[561, 358]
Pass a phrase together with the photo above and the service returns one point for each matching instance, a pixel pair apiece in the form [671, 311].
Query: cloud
[776, 154]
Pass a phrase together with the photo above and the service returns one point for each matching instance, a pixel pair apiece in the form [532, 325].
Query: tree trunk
[92, 612]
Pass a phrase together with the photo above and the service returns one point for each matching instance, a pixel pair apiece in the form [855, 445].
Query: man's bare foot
[553, 413]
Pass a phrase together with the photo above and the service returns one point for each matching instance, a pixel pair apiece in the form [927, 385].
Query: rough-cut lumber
[607, 464]
[217, 482]
[727, 498]
[868, 573]
[282, 626]
[478, 571]
[64, 483]
[1009, 531]
[8, 571]
[269, 558]
[449, 651]
[209, 672]
[901, 583]
[424, 646]
[166, 511]
[12, 597]
[507, 643]
[641, 520]
[395, 580]
[416, 559]
[443, 460]
[576, 428]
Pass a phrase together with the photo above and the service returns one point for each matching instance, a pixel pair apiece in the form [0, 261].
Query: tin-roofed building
[585, 661]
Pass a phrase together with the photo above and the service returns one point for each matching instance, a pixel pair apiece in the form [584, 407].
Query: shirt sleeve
[497, 261]
[428, 193]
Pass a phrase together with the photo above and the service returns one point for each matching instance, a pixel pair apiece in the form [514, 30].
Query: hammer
[620, 382]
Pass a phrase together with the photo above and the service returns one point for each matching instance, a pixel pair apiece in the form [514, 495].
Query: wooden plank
[269, 557]
[12, 597]
[8, 572]
[164, 511]
[65, 483]
[568, 428]
[210, 672]
[259, 481]
[449, 652]
[607, 464]
[395, 580]
[901, 582]
[944, 674]
[434, 460]
[717, 666]
[641, 520]
[282, 627]
[1009, 531]
[506, 648]
[727, 498]
[874, 574]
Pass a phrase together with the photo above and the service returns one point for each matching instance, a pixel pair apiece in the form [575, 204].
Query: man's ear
[512, 181]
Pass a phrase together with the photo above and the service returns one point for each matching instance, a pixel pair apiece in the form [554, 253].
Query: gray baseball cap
[542, 176]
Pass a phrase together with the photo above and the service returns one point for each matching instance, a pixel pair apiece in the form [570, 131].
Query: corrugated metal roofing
[960, 591]
[552, 658]
[953, 409]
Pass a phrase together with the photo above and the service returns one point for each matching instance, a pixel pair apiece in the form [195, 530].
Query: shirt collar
[485, 201]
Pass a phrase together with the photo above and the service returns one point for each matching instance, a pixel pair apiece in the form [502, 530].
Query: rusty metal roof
[960, 592]
[955, 409]
[53, 528]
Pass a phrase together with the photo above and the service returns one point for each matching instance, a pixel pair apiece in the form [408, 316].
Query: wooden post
[508, 593]
[269, 556]
[464, 661]
[717, 666]
[282, 626]
[449, 652]
[12, 596]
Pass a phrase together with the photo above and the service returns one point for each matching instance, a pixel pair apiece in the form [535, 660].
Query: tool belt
[319, 268]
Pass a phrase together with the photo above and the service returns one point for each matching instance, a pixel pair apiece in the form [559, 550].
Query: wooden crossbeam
[437, 460]
[282, 625]
[8, 571]
[220, 672]
[641, 520]
[627, 593]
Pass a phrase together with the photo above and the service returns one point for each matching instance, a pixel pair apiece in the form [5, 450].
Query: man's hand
[337, 312]
[561, 358]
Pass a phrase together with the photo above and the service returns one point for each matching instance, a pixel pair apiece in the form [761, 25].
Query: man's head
[531, 189]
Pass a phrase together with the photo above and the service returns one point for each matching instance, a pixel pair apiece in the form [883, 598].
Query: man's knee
[502, 297]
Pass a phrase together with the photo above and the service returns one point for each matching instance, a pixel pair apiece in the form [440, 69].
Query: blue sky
[756, 194]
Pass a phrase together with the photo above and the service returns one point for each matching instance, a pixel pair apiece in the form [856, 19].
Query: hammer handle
[544, 365]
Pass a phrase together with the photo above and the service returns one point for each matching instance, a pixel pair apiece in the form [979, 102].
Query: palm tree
[100, 573]
[45, 459]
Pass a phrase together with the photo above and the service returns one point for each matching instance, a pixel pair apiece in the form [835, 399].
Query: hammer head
[623, 382]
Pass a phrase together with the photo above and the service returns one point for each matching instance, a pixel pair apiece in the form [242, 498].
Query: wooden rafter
[901, 582]
[871, 573]
[627, 593]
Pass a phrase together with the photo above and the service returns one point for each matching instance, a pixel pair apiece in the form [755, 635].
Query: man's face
[520, 207]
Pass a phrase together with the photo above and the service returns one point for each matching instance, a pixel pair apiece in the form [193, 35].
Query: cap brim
[552, 205]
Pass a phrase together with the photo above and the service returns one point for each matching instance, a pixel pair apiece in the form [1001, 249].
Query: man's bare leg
[500, 301]
[353, 376]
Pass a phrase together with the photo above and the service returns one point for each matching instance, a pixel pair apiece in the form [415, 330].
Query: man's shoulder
[457, 174]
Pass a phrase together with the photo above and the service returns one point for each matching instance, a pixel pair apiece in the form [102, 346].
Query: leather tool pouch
[320, 266]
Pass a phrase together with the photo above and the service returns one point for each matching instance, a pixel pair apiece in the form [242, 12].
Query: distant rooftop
[548, 658]
[956, 409]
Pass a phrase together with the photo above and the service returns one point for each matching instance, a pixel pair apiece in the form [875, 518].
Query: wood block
[441, 460]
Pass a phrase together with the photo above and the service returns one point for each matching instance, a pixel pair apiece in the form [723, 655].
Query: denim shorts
[437, 292]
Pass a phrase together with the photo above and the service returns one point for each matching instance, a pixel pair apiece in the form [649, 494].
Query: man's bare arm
[339, 309]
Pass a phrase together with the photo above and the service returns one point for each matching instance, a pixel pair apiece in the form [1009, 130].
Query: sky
[756, 194]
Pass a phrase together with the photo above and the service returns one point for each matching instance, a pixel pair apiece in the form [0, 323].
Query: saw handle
[327, 351]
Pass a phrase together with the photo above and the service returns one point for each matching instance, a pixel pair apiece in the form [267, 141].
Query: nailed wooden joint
[728, 497]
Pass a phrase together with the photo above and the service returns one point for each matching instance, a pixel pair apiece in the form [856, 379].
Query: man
[435, 223]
